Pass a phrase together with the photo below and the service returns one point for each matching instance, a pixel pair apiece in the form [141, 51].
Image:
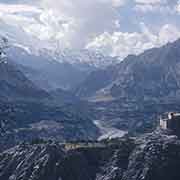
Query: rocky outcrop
[157, 157]
[151, 157]
[31, 162]
[50, 161]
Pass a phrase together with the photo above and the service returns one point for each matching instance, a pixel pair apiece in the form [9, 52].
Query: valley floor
[107, 131]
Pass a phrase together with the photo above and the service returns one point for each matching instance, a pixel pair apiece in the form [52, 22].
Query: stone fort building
[171, 122]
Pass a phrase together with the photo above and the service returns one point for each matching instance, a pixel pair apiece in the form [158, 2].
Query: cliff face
[157, 158]
[152, 157]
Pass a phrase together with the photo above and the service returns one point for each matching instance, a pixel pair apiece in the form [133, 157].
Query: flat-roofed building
[171, 122]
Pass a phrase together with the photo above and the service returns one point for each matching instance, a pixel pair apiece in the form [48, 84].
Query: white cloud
[115, 3]
[122, 44]
[70, 22]
[151, 1]
[21, 24]
[168, 33]
[177, 7]
[85, 18]
[12, 8]
[153, 8]
[33, 23]
[159, 6]
[95, 24]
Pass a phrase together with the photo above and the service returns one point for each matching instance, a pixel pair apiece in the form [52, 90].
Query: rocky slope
[22, 121]
[152, 157]
[53, 162]
[14, 85]
[156, 158]
[95, 82]
[153, 74]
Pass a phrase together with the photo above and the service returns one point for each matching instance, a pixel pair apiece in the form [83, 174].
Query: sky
[113, 27]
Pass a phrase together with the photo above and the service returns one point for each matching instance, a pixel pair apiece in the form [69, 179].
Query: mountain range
[132, 94]
[57, 70]
[127, 96]
[152, 74]
[52, 112]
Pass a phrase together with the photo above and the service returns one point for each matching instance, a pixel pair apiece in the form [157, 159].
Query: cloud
[84, 19]
[4, 8]
[122, 44]
[150, 1]
[94, 24]
[67, 22]
[115, 3]
[160, 6]
[168, 33]
[17, 21]
[177, 7]
[153, 8]
[20, 16]
[31, 22]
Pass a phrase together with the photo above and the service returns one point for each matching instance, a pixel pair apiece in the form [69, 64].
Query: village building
[171, 122]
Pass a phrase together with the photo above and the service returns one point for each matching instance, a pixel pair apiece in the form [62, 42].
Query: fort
[171, 122]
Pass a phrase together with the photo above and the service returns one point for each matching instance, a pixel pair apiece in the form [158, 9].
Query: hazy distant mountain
[65, 69]
[44, 71]
[95, 82]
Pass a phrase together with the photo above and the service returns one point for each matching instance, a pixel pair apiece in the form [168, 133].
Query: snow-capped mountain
[52, 70]
[46, 72]
[86, 57]
[83, 57]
